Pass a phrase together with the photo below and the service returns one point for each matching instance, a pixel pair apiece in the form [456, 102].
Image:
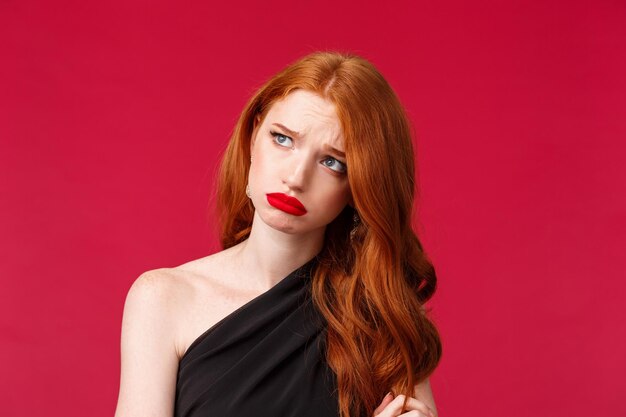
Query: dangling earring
[248, 185]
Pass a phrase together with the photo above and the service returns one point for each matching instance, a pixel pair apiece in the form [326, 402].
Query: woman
[315, 305]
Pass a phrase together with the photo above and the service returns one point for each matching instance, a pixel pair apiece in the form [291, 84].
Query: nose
[297, 171]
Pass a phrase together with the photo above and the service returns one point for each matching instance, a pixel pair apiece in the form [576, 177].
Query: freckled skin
[299, 167]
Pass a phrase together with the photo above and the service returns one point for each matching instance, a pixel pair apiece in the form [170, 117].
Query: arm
[149, 362]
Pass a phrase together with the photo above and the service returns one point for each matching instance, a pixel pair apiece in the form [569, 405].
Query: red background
[113, 115]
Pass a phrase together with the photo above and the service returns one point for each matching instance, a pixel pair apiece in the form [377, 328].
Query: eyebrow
[297, 135]
[335, 150]
[289, 131]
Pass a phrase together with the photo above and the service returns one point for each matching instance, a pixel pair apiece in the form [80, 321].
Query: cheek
[260, 167]
[333, 199]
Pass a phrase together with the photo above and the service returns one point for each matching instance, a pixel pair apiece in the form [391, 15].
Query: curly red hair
[371, 284]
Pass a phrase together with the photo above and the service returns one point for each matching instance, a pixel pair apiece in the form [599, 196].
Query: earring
[355, 224]
[248, 191]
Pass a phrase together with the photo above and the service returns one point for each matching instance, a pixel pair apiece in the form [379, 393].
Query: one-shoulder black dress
[267, 358]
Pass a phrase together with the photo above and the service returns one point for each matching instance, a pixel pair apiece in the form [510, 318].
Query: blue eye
[330, 162]
[333, 162]
[281, 139]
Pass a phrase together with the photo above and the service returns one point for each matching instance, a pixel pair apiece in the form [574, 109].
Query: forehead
[308, 114]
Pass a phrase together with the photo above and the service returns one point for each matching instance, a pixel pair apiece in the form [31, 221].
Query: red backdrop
[113, 115]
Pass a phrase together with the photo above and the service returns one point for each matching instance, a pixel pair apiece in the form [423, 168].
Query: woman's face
[292, 156]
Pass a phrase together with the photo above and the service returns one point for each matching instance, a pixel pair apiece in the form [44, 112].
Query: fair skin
[166, 309]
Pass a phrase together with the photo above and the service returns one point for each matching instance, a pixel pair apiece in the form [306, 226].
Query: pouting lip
[292, 201]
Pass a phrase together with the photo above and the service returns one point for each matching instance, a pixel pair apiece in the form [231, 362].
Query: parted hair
[373, 276]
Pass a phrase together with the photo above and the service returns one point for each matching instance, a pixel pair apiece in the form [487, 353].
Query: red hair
[373, 277]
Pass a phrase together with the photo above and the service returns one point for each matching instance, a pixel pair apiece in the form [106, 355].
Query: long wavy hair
[372, 277]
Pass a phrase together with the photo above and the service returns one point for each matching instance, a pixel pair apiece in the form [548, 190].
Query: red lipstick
[285, 203]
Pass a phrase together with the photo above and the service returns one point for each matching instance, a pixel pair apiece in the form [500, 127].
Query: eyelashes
[342, 167]
[280, 140]
[278, 136]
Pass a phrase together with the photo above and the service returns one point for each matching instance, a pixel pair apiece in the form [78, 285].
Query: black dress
[266, 358]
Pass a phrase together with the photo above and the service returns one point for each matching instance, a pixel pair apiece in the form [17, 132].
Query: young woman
[315, 307]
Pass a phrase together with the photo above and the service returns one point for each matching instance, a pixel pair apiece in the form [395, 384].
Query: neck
[269, 255]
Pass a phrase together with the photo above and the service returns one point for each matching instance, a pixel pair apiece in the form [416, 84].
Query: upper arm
[149, 362]
[425, 394]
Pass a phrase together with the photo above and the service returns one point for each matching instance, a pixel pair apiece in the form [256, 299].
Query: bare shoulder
[164, 310]
[153, 303]
[158, 292]
[155, 287]
[148, 352]
[172, 297]
[202, 292]
[168, 290]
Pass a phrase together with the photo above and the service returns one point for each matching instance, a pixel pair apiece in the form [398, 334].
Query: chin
[283, 222]
[284, 227]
